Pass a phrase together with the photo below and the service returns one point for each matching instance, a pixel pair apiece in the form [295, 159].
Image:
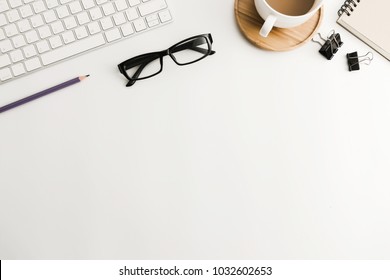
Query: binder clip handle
[329, 45]
[354, 60]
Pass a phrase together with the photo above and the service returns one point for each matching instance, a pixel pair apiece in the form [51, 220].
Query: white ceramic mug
[274, 18]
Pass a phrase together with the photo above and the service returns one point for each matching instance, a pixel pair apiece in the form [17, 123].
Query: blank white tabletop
[248, 154]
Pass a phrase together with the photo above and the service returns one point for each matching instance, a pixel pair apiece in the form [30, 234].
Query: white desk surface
[246, 154]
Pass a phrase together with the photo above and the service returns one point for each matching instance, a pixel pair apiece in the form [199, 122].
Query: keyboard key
[31, 36]
[73, 49]
[119, 18]
[95, 13]
[6, 46]
[18, 69]
[15, 3]
[11, 30]
[83, 18]
[88, 4]
[94, 28]
[18, 41]
[81, 32]
[106, 23]
[132, 14]
[165, 16]
[50, 16]
[100, 2]
[16, 56]
[133, 3]
[62, 12]
[5, 74]
[24, 25]
[108, 9]
[3, 6]
[32, 64]
[68, 37]
[55, 42]
[38, 7]
[70, 22]
[42, 46]
[57, 27]
[75, 7]
[44, 32]
[4, 60]
[3, 20]
[36, 21]
[152, 7]
[29, 51]
[26, 11]
[153, 23]
[2, 34]
[139, 24]
[113, 35]
[51, 4]
[121, 5]
[13, 15]
[127, 29]
[152, 20]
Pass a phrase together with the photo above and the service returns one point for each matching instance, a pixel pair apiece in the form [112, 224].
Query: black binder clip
[330, 45]
[354, 60]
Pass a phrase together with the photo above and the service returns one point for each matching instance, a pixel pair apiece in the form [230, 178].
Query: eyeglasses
[183, 53]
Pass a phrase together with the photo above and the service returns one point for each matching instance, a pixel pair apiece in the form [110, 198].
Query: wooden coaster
[280, 39]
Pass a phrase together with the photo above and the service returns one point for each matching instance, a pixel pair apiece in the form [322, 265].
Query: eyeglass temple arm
[193, 46]
[139, 71]
[136, 75]
[202, 50]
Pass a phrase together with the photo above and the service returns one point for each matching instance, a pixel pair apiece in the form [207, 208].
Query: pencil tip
[83, 77]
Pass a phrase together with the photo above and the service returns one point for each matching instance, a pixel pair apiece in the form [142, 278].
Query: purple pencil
[42, 93]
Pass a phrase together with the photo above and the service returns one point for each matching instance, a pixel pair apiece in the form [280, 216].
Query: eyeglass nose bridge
[165, 53]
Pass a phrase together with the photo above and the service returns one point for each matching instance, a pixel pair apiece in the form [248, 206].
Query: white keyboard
[37, 33]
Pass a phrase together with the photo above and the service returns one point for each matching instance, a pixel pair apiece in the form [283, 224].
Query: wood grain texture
[279, 39]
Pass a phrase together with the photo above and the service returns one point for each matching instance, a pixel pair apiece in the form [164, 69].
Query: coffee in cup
[285, 13]
[291, 7]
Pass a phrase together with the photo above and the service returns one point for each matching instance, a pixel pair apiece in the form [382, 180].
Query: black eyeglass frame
[144, 59]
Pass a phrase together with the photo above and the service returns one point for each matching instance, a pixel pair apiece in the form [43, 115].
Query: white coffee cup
[275, 18]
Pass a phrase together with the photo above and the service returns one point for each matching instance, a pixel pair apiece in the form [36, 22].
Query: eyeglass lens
[190, 50]
[144, 66]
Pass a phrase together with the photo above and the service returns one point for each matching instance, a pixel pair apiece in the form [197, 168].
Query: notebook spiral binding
[348, 7]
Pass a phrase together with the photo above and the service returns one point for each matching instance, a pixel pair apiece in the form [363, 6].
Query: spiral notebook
[369, 20]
